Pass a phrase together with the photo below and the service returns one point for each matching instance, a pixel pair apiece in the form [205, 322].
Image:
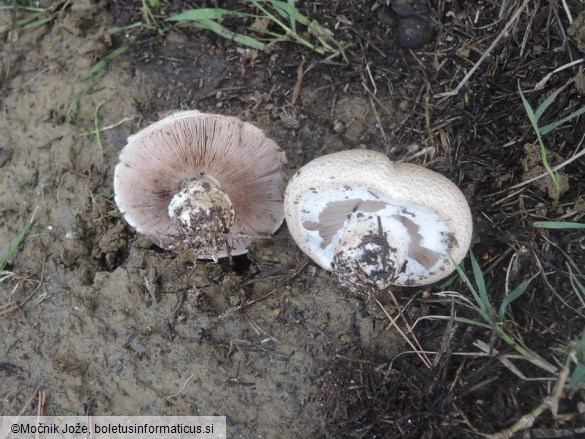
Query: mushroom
[202, 181]
[377, 223]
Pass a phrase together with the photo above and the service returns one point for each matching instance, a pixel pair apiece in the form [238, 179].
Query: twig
[36, 392]
[371, 96]
[373, 105]
[356, 360]
[550, 402]
[40, 410]
[30, 400]
[298, 84]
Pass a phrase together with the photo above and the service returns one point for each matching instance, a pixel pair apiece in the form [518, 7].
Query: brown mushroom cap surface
[427, 212]
[188, 146]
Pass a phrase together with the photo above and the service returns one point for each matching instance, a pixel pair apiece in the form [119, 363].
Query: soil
[104, 322]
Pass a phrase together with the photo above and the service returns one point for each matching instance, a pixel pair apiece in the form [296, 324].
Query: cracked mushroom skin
[202, 181]
[376, 223]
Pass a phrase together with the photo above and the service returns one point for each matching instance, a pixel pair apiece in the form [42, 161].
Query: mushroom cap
[324, 196]
[159, 160]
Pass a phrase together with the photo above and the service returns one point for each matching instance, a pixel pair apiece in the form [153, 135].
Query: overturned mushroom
[202, 181]
[376, 223]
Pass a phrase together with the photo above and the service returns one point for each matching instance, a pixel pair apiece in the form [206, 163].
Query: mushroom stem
[392, 246]
[202, 213]
[366, 255]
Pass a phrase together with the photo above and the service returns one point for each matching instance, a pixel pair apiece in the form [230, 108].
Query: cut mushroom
[202, 181]
[376, 223]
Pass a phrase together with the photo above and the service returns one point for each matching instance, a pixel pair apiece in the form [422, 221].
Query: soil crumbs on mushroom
[106, 323]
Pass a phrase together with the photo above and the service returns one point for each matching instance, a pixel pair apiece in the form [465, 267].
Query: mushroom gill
[335, 213]
[426, 257]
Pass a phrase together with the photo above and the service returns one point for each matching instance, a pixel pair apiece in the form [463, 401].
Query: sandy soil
[109, 323]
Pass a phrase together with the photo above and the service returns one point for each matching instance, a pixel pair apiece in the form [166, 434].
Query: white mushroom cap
[377, 223]
[166, 163]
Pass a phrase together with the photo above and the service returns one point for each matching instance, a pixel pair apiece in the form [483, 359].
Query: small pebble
[414, 32]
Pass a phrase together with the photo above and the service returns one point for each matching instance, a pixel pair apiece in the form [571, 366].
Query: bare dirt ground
[104, 322]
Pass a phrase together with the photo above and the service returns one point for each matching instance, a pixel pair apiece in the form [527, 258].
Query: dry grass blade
[9, 308]
[544, 80]
[549, 403]
[505, 360]
[419, 351]
[15, 305]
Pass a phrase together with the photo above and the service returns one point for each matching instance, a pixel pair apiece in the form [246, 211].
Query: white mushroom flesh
[417, 237]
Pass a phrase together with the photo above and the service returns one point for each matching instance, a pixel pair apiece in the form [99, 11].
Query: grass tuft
[34, 17]
[496, 322]
[17, 242]
[284, 16]
[534, 116]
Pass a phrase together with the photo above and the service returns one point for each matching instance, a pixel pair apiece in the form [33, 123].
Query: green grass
[534, 116]
[572, 375]
[282, 15]
[558, 225]
[92, 77]
[575, 351]
[34, 17]
[17, 242]
[209, 19]
[496, 321]
[148, 14]
[275, 22]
